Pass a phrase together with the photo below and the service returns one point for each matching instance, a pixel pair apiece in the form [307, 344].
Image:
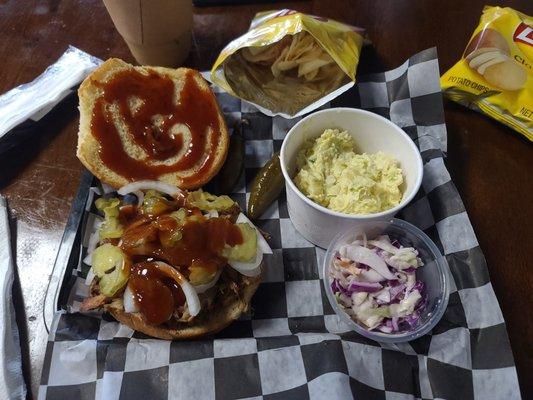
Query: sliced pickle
[112, 266]
[183, 216]
[201, 272]
[154, 203]
[108, 206]
[180, 216]
[111, 228]
[113, 282]
[209, 202]
[170, 239]
[246, 251]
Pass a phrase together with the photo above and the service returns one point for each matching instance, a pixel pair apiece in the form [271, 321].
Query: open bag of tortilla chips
[289, 63]
[495, 74]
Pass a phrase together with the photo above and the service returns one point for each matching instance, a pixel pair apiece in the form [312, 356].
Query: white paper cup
[371, 133]
[157, 32]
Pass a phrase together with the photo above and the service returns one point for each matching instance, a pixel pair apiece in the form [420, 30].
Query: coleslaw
[374, 282]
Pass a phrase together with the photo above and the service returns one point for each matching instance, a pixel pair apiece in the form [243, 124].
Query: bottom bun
[205, 324]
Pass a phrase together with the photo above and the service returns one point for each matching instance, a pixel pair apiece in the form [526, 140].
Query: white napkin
[11, 381]
[35, 99]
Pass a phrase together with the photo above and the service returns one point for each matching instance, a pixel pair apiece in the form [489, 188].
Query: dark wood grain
[490, 164]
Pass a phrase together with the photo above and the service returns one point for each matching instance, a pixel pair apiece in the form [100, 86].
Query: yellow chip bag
[289, 63]
[495, 74]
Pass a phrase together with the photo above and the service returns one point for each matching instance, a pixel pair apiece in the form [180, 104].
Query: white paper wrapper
[31, 101]
[11, 381]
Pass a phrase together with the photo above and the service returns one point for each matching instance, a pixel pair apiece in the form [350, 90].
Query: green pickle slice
[112, 266]
[245, 251]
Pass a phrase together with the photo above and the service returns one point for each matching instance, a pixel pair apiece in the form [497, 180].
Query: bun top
[150, 123]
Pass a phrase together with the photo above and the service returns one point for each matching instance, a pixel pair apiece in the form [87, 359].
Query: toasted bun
[205, 324]
[88, 150]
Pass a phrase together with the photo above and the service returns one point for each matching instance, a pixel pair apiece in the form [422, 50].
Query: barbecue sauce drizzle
[196, 109]
[156, 295]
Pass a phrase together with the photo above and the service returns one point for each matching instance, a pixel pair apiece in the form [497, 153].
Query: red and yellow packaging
[495, 74]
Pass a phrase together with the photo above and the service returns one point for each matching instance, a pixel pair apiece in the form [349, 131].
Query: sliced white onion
[383, 244]
[88, 259]
[93, 243]
[370, 276]
[383, 295]
[368, 257]
[208, 285]
[193, 302]
[261, 241]
[250, 269]
[140, 197]
[212, 214]
[410, 284]
[162, 187]
[96, 190]
[263, 244]
[130, 306]
[90, 277]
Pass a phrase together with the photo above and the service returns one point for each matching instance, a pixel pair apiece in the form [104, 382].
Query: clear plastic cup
[434, 273]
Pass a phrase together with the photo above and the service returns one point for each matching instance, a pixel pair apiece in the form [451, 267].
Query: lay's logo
[523, 34]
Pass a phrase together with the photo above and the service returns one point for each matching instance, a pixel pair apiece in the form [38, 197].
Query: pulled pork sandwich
[173, 264]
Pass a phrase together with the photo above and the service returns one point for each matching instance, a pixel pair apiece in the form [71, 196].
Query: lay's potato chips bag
[289, 63]
[495, 74]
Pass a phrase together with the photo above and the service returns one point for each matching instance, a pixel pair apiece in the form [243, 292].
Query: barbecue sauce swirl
[155, 97]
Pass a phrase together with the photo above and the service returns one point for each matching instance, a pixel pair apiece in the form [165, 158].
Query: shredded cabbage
[375, 283]
[405, 258]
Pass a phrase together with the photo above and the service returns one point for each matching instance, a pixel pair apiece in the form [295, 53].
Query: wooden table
[490, 164]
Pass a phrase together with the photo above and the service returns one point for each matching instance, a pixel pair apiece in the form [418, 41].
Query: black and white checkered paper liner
[293, 346]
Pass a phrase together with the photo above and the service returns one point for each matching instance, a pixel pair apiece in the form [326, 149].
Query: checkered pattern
[293, 346]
